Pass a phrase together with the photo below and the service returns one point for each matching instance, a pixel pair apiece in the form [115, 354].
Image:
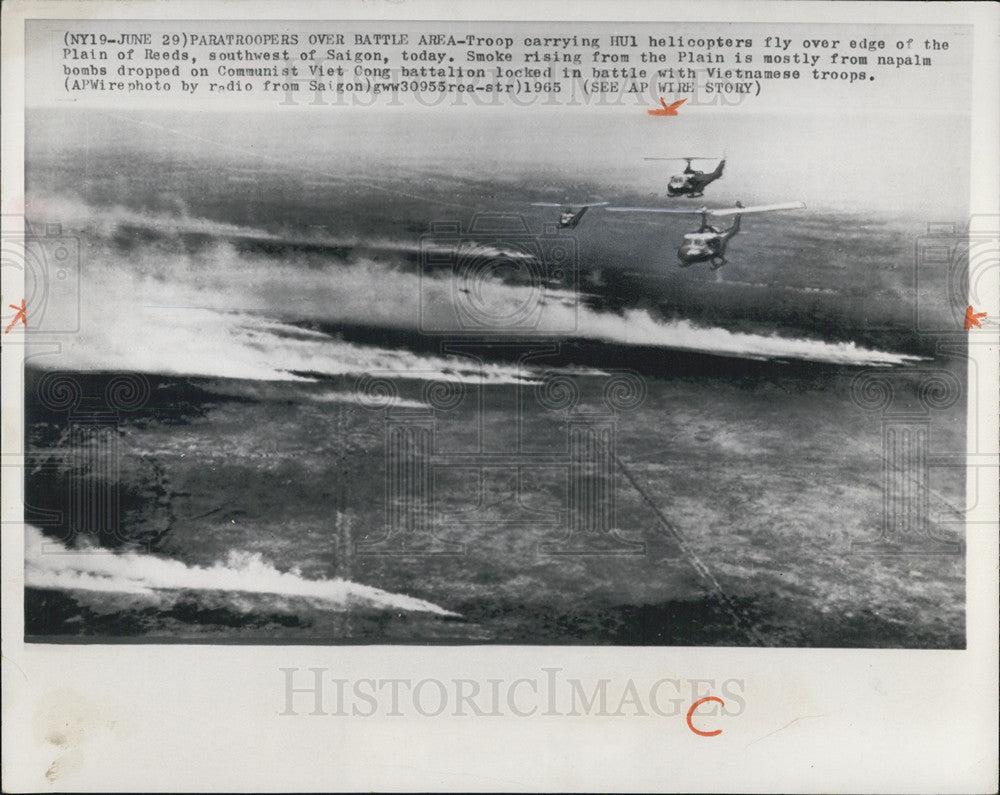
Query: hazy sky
[885, 161]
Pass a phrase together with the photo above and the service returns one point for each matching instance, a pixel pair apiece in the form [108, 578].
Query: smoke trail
[217, 312]
[50, 565]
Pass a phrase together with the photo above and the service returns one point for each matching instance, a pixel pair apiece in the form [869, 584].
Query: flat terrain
[250, 269]
[747, 494]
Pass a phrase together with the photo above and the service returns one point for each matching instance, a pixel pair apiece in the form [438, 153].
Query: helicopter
[572, 214]
[708, 243]
[691, 182]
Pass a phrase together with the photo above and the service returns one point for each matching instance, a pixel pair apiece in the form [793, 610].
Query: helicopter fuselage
[689, 255]
[706, 245]
[692, 182]
[678, 186]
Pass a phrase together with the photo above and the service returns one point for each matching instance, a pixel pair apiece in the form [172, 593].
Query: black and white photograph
[446, 333]
[417, 373]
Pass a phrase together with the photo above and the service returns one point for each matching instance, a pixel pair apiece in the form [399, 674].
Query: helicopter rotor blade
[759, 208]
[681, 158]
[569, 204]
[671, 210]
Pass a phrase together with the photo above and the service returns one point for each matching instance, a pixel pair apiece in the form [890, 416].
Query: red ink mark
[667, 110]
[695, 706]
[23, 318]
[972, 318]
